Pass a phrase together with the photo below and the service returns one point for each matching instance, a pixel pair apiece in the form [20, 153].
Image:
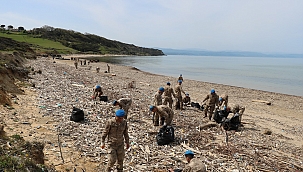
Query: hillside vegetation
[39, 45]
[56, 40]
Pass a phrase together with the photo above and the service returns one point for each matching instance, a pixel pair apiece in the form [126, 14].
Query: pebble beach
[43, 113]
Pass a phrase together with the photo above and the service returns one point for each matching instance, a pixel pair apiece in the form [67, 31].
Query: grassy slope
[41, 44]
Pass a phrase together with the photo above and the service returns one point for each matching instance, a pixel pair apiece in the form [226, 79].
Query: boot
[156, 123]
[162, 121]
[108, 169]
[205, 115]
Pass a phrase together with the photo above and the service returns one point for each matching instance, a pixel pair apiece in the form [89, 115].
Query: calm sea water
[281, 75]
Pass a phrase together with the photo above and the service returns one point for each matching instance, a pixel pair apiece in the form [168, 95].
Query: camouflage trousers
[240, 111]
[168, 100]
[116, 154]
[126, 112]
[157, 119]
[179, 103]
[210, 109]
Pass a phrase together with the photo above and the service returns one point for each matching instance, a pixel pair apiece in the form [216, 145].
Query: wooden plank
[262, 101]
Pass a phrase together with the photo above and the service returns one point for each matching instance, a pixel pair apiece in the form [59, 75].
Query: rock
[1, 128]
[268, 132]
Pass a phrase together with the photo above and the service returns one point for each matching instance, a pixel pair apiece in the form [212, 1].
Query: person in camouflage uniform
[76, 64]
[194, 164]
[97, 92]
[116, 132]
[223, 100]
[158, 97]
[123, 103]
[213, 101]
[238, 109]
[157, 102]
[164, 112]
[180, 78]
[178, 91]
[186, 99]
[167, 95]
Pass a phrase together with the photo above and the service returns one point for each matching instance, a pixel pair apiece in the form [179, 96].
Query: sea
[275, 74]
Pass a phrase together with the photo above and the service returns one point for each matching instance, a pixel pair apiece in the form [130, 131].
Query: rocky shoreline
[60, 87]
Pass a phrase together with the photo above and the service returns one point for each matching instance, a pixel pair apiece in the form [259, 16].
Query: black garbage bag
[197, 105]
[77, 115]
[104, 98]
[166, 135]
[220, 116]
[233, 123]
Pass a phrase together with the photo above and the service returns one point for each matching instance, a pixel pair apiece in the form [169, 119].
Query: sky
[267, 26]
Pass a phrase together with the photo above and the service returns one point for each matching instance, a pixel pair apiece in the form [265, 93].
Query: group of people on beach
[116, 129]
[84, 62]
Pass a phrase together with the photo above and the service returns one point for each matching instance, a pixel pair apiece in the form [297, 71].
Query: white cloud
[16, 20]
[266, 26]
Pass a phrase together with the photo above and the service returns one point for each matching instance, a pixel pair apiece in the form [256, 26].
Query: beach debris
[132, 84]
[268, 132]
[262, 101]
[247, 150]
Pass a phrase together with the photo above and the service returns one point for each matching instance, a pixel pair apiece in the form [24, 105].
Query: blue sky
[218, 25]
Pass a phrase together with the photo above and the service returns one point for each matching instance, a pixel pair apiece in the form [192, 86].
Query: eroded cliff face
[12, 74]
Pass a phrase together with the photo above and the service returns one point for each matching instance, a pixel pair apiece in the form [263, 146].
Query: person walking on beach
[167, 96]
[76, 64]
[157, 102]
[108, 68]
[223, 100]
[180, 78]
[158, 97]
[97, 92]
[213, 101]
[97, 69]
[178, 91]
[123, 103]
[164, 112]
[116, 132]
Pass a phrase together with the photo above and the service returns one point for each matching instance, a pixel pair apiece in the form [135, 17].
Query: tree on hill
[10, 27]
[2, 27]
[20, 29]
[47, 28]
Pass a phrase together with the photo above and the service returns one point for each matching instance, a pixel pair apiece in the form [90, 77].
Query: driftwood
[59, 143]
[208, 125]
[262, 101]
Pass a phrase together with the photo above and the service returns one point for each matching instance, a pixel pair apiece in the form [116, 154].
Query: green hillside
[56, 40]
[40, 45]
